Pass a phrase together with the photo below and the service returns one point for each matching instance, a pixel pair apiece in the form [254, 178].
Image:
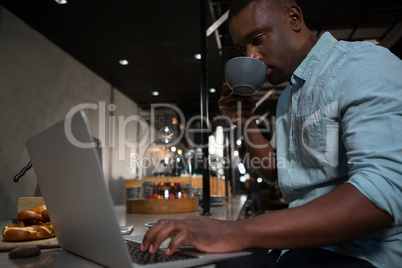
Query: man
[337, 136]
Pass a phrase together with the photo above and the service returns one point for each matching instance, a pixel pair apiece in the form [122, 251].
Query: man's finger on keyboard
[180, 238]
[159, 233]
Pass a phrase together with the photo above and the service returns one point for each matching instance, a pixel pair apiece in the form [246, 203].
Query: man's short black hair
[238, 5]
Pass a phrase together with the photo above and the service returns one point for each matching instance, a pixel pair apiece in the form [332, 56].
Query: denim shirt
[340, 121]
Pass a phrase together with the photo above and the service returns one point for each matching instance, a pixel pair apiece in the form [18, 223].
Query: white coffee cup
[245, 75]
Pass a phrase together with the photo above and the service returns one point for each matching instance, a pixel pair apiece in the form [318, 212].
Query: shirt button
[293, 165]
[296, 98]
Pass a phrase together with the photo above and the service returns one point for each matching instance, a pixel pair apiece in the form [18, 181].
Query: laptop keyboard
[146, 257]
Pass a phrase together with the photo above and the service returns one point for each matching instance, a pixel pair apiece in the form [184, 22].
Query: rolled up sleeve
[371, 112]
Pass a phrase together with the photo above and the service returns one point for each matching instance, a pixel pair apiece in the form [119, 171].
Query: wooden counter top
[61, 258]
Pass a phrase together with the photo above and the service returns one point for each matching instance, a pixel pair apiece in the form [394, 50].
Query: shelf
[151, 206]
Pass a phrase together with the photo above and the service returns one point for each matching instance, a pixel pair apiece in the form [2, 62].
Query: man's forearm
[339, 216]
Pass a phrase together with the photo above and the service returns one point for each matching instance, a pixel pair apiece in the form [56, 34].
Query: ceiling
[160, 38]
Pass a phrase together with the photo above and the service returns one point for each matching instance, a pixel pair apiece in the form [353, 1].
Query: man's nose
[254, 54]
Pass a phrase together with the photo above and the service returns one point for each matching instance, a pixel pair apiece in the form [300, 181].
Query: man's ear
[295, 16]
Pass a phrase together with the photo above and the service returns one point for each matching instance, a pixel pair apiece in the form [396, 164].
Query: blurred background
[125, 56]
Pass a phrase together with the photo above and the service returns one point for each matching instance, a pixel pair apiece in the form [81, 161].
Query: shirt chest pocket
[317, 140]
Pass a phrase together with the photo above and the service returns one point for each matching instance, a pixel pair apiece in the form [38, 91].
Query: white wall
[39, 84]
[122, 142]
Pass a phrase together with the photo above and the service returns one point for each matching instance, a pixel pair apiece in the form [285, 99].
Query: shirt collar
[320, 49]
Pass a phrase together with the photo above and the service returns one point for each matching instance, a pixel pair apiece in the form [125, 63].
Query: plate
[150, 224]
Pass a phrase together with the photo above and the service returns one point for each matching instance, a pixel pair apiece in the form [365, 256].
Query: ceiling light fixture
[123, 62]
[212, 90]
[61, 2]
[197, 56]
[155, 93]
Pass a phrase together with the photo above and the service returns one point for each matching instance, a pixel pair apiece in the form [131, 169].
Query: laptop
[73, 187]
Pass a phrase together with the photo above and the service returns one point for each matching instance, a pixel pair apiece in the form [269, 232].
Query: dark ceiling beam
[394, 35]
[359, 19]
[325, 18]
